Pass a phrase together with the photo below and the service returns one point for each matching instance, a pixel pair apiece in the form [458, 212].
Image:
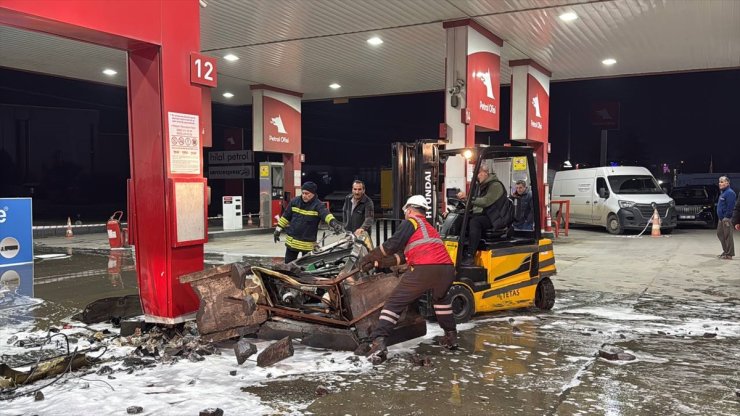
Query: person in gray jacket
[358, 211]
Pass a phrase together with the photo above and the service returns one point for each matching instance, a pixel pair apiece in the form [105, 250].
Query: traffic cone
[656, 224]
[249, 221]
[69, 233]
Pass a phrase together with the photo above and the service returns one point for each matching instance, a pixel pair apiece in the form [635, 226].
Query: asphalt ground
[667, 301]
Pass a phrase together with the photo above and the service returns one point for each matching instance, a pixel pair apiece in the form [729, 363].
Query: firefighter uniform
[430, 268]
[301, 223]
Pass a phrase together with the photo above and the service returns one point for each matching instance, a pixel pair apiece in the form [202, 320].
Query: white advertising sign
[184, 143]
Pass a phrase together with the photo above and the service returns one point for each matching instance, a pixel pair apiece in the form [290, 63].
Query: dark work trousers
[478, 224]
[292, 254]
[724, 233]
[414, 283]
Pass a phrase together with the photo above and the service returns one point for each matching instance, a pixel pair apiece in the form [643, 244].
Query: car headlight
[672, 203]
[626, 204]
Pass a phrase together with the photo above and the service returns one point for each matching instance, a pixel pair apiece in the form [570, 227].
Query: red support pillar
[159, 35]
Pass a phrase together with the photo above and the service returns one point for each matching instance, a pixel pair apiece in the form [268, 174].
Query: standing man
[725, 205]
[358, 210]
[487, 206]
[523, 215]
[736, 214]
[430, 268]
[301, 222]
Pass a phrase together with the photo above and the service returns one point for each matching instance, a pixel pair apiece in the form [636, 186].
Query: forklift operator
[430, 268]
[490, 191]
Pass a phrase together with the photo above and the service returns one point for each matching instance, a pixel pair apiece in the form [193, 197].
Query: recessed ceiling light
[110, 72]
[568, 17]
[334, 86]
[228, 95]
[375, 41]
[231, 57]
[609, 61]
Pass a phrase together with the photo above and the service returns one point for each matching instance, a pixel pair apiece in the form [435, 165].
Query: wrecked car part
[110, 309]
[225, 309]
[276, 352]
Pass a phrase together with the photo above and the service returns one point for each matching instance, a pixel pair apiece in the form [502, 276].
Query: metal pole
[603, 147]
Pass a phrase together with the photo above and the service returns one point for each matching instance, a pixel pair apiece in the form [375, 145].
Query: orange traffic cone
[249, 221]
[656, 224]
[69, 233]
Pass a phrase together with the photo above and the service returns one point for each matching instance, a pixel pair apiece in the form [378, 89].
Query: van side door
[598, 206]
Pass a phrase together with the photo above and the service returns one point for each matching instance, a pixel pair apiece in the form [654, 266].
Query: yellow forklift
[512, 267]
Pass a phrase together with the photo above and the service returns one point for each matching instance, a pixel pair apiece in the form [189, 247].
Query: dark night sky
[664, 118]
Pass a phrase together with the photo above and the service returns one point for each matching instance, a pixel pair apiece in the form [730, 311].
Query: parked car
[696, 204]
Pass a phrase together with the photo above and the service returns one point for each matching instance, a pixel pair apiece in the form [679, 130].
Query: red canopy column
[165, 127]
[530, 117]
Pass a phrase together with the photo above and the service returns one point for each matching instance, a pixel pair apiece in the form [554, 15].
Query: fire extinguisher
[115, 237]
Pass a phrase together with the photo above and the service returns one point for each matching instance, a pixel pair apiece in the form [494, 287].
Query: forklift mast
[416, 171]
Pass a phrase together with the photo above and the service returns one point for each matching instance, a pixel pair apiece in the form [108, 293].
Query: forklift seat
[499, 234]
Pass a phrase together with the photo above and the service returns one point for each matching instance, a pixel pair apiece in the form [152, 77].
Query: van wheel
[544, 296]
[463, 304]
[613, 225]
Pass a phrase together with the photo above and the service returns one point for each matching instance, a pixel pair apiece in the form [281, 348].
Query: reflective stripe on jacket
[425, 246]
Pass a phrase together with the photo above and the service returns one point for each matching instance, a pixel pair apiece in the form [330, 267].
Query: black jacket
[524, 213]
[301, 222]
[362, 216]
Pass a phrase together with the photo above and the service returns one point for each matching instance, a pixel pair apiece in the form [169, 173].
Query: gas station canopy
[305, 46]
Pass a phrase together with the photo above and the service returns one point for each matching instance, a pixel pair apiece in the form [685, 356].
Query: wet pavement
[668, 301]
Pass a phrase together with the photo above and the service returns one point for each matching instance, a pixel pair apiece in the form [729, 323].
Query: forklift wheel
[544, 297]
[463, 305]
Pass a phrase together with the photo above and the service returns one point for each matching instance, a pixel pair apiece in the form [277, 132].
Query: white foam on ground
[616, 314]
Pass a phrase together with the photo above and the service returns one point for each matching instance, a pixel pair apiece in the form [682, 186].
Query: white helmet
[417, 201]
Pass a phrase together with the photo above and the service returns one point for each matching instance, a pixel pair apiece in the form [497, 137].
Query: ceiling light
[335, 86]
[110, 72]
[375, 41]
[228, 95]
[568, 17]
[609, 61]
[231, 57]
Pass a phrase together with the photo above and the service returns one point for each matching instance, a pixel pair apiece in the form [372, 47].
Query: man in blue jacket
[725, 205]
[301, 222]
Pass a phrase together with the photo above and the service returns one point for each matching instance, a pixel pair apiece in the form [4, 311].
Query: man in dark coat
[358, 211]
[524, 214]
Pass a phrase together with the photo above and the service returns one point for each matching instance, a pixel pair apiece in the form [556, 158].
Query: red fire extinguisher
[115, 236]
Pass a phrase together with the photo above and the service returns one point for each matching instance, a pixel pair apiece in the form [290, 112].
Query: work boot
[377, 347]
[448, 340]
[363, 349]
[467, 260]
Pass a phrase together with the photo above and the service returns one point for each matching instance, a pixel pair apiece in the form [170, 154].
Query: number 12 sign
[202, 70]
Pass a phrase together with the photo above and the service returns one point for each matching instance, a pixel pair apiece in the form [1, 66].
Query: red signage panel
[203, 70]
[538, 110]
[483, 89]
[281, 127]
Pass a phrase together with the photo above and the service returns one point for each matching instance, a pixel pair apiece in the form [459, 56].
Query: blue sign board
[16, 231]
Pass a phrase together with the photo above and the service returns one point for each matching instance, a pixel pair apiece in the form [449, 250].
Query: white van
[619, 198]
